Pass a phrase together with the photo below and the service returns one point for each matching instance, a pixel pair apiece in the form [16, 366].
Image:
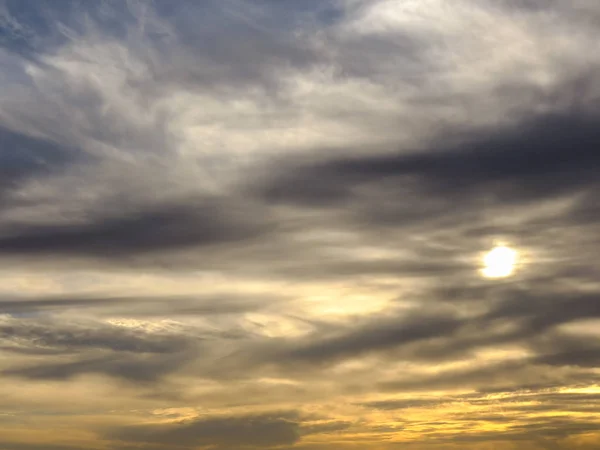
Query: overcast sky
[261, 224]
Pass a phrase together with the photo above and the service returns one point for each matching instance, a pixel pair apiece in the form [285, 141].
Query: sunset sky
[299, 224]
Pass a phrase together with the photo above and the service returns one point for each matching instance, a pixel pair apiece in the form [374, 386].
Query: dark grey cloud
[127, 306]
[378, 334]
[561, 349]
[45, 334]
[538, 159]
[160, 228]
[393, 405]
[250, 431]
[542, 309]
[510, 375]
[131, 368]
[23, 157]
[23, 446]
[64, 348]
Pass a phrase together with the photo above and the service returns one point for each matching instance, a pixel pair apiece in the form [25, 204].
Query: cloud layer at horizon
[259, 224]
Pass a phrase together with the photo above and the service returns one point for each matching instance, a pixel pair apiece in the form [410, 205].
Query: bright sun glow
[499, 262]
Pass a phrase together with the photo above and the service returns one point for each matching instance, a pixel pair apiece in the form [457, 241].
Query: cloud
[24, 446]
[376, 335]
[135, 369]
[23, 156]
[251, 431]
[531, 162]
[39, 333]
[171, 227]
[210, 210]
[439, 332]
[64, 350]
[392, 405]
[128, 306]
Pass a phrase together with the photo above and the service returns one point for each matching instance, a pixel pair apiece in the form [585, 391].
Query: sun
[499, 262]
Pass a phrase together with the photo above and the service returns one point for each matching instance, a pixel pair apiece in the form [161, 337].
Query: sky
[263, 224]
